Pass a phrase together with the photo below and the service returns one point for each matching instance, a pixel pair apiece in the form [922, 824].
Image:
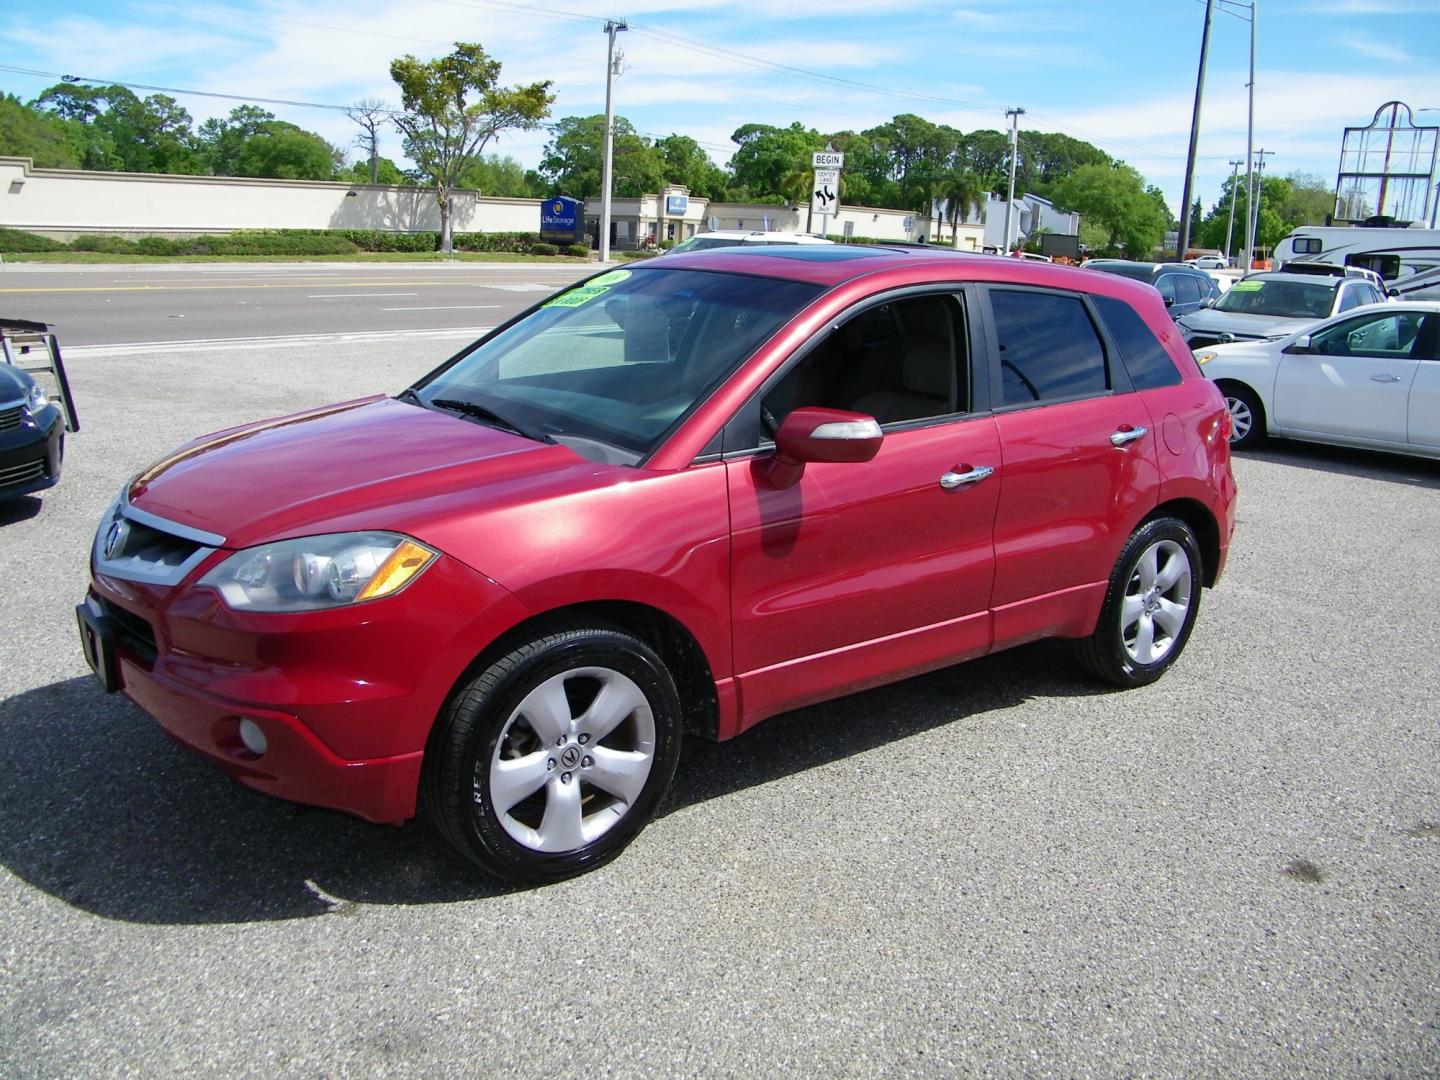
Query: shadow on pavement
[102, 811]
[1343, 461]
[21, 509]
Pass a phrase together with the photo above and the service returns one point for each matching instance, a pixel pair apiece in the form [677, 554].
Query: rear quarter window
[1144, 357]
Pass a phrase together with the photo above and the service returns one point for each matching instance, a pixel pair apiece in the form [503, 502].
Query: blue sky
[1119, 74]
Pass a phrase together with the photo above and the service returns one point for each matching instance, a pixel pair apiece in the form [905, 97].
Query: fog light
[253, 738]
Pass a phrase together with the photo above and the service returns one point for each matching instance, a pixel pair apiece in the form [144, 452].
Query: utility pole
[611, 29]
[1014, 115]
[1234, 198]
[1184, 242]
[1253, 210]
[1250, 149]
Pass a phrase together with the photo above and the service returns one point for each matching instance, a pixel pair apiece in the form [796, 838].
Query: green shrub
[380, 240]
[109, 245]
[157, 245]
[666, 245]
[523, 243]
[281, 242]
[17, 241]
[580, 251]
[544, 249]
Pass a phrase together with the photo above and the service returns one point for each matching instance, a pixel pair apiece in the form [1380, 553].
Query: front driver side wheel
[1150, 606]
[552, 759]
[1247, 416]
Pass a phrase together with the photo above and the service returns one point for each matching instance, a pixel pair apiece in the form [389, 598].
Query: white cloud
[1377, 50]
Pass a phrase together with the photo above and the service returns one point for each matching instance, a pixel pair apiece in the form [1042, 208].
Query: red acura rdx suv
[679, 497]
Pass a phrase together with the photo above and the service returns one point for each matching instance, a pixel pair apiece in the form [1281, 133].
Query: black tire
[466, 751]
[1112, 653]
[1247, 416]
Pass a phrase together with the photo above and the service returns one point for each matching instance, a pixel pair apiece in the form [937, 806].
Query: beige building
[64, 203]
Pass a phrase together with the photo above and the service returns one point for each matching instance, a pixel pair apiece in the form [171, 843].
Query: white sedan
[1209, 262]
[1369, 377]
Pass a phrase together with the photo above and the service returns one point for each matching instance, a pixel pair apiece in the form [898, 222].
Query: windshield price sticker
[1247, 286]
[585, 293]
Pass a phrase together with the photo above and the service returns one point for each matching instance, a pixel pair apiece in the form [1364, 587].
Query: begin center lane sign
[827, 159]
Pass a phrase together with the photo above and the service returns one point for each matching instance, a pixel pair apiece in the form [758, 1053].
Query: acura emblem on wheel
[571, 757]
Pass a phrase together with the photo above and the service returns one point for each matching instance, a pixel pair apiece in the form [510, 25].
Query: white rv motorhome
[1407, 259]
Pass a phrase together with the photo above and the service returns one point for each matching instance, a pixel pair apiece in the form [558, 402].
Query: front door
[861, 573]
[1354, 381]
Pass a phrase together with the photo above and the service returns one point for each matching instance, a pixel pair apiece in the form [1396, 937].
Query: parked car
[1208, 262]
[1183, 288]
[1370, 377]
[680, 497]
[743, 238]
[32, 435]
[1274, 305]
[1315, 269]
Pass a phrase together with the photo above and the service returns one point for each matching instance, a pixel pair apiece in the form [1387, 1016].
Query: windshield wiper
[486, 415]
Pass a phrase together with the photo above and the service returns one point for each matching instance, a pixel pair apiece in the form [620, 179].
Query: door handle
[1385, 378]
[1128, 435]
[952, 480]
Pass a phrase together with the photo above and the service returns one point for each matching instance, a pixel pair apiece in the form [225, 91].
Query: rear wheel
[1150, 606]
[551, 760]
[1247, 416]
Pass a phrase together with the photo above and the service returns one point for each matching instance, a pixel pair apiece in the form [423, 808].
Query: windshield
[619, 359]
[1283, 299]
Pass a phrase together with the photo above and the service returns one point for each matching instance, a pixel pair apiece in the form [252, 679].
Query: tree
[573, 161]
[251, 142]
[39, 136]
[961, 191]
[453, 109]
[769, 154]
[1311, 200]
[683, 162]
[386, 171]
[371, 114]
[491, 174]
[1115, 198]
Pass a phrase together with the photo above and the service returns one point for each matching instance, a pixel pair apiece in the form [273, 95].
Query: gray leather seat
[927, 368]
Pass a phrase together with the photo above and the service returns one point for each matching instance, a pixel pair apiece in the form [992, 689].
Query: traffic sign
[827, 159]
[825, 196]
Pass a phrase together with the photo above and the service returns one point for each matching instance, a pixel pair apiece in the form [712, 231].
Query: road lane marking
[445, 307]
[353, 295]
[283, 341]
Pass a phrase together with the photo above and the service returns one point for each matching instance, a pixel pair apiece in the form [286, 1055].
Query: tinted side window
[1354, 297]
[1144, 357]
[1166, 284]
[1048, 347]
[1188, 289]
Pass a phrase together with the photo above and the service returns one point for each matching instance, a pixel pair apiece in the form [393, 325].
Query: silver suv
[1273, 305]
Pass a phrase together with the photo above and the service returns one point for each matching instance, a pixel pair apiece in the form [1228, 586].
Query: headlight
[319, 571]
[36, 399]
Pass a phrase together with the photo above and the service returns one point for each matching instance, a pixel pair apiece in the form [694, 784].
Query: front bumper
[345, 698]
[30, 455]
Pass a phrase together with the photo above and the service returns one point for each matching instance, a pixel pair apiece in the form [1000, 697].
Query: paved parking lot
[996, 869]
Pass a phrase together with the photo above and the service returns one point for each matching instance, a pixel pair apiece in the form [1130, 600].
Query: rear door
[1354, 382]
[1424, 407]
[1078, 451]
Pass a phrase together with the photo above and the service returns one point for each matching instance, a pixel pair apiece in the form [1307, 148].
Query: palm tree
[961, 190]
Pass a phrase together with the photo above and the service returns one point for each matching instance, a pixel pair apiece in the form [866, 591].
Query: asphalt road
[996, 870]
[106, 305]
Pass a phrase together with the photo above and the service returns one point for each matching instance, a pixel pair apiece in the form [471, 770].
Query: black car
[1183, 288]
[32, 428]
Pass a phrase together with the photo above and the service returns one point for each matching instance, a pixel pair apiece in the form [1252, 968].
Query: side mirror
[822, 435]
[1394, 294]
[1300, 345]
[1169, 301]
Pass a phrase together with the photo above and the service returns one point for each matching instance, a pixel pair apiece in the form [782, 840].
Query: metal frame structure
[1387, 169]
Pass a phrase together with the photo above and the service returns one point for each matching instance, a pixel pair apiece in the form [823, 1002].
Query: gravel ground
[993, 870]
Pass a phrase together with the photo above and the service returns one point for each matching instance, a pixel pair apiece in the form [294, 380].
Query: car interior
[895, 361]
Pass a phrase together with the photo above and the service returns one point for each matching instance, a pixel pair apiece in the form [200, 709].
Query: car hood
[1210, 321]
[370, 464]
[14, 384]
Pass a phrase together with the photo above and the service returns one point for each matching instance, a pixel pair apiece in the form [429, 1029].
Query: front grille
[22, 474]
[133, 632]
[156, 550]
[10, 419]
[143, 547]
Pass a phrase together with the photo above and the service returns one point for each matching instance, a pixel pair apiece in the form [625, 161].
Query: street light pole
[1252, 212]
[1234, 198]
[1014, 115]
[611, 29]
[1184, 241]
[1250, 150]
